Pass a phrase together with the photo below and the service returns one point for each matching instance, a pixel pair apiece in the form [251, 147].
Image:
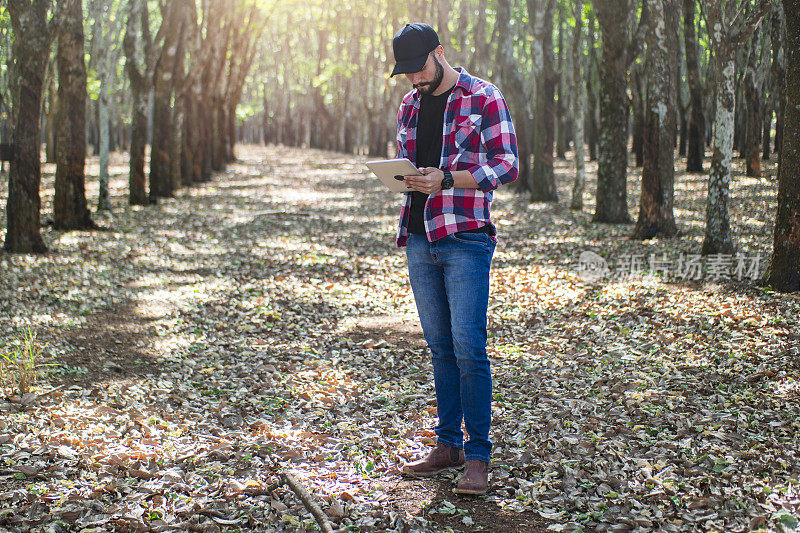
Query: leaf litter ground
[264, 319]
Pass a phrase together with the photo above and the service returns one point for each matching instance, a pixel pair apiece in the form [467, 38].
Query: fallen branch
[307, 499]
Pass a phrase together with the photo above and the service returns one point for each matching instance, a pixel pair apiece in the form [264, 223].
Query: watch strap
[447, 181]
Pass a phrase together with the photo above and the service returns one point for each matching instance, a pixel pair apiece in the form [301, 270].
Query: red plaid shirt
[478, 137]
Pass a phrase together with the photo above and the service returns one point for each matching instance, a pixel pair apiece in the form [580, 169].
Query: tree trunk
[753, 127]
[593, 115]
[718, 237]
[784, 271]
[562, 109]
[766, 133]
[658, 173]
[681, 93]
[514, 88]
[70, 211]
[778, 68]
[725, 38]
[50, 132]
[543, 183]
[638, 105]
[137, 182]
[176, 146]
[578, 72]
[105, 33]
[30, 52]
[695, 147]
[161, 184]
[612, 170]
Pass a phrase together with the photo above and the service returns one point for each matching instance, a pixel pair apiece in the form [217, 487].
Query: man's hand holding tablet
[429, 182]
[394, 172]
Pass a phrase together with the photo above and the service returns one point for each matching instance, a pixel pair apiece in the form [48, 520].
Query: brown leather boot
[475, 479]
[442, 457]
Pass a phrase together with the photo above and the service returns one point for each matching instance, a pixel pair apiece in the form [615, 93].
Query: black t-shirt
[430, 122]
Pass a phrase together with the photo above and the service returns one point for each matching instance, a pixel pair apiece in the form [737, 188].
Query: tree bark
[778, 68]
[70, 211]
[140, 76]
[105, 56]
[695, 147]
[612, 171]
[578, 72]
[562, 96]
[33, 36]
[718, 239]
[638, 106]
[593, 111]
[727, 34]
[753, 127]
[161, 184]
[784, 270]
[50, 130]
[766, 133]
[543, 183]
[658, 173]
[514, 88]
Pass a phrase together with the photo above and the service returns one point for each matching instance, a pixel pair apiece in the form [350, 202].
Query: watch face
[447, 183]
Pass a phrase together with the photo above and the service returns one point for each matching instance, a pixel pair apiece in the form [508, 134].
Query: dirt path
[266, 315]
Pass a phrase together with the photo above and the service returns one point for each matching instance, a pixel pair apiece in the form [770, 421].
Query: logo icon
[592, 267]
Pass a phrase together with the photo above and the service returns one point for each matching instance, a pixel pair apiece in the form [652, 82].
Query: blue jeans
[450, 281]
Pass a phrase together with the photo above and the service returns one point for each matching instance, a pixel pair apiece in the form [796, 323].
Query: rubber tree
[141, 54]
[579, 70]
[728, 33]
[658, 172]
[784, 271]
[695, 147]
[34, 30]
[69, 203]
[543, 184]
[161, 182]
[515, 89]
[619, 50]
[105, 54]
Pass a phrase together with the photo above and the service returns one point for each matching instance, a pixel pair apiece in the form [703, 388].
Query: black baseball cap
[411, 45]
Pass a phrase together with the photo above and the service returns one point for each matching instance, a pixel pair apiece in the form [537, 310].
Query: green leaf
[789, 521]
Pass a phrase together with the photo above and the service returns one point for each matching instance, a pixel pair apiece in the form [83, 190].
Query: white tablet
[391, 172]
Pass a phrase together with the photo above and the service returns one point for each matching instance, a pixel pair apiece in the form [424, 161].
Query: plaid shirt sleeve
[500, 142]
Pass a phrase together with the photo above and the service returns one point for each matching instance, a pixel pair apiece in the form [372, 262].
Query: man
[457, 129]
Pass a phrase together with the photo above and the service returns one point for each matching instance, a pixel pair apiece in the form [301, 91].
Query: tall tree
[592, 91]
[34, 31]
[695, 148]
[141, 53]
[161, 184]
[778, 66]
[658, 173]
[619, 51]
[563, 86]
[543, 183]
[105, 53]
[514, 87]
[784, 270]
[728, 33]
[753, 82]
[578, 74]
[70, 211]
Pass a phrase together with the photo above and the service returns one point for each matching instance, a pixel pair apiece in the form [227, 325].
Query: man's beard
[431, 86]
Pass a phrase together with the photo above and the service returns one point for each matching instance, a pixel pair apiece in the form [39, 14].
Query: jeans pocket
[469, 237]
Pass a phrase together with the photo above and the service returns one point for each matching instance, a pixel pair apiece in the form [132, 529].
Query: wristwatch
[447, 180]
